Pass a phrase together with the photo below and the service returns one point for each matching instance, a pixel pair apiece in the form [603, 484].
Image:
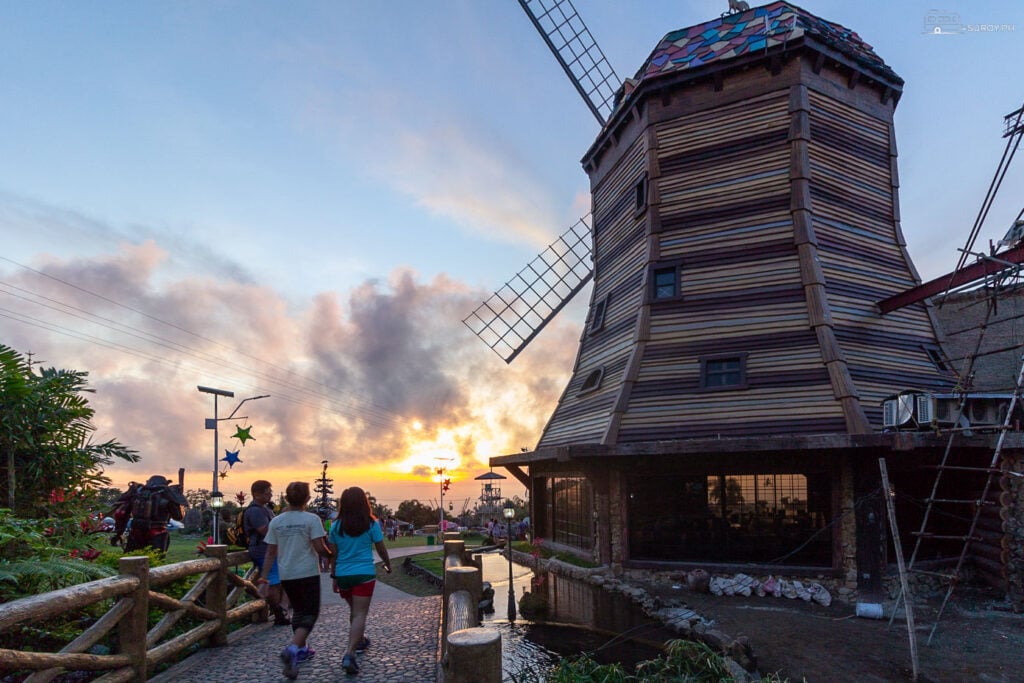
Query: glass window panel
[665, 283]
[571, 511]
[771, 518]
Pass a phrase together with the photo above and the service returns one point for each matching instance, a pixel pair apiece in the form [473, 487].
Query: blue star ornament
[231, 457]
[243, 434]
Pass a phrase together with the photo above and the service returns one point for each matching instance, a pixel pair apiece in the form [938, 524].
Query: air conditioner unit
[982, 411]
[924, 406]
[898, 410]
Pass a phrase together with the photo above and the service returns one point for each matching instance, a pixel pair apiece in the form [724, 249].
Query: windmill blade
[575, 49]
[517, 312]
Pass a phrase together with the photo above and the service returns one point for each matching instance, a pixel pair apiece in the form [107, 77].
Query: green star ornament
[243, 434]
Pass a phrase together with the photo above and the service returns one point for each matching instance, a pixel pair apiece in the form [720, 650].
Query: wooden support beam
[961, 277]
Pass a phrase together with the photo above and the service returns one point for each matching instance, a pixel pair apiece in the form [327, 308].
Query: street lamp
[216, 502]
[441, 468]
[213, 424]
[510, 512]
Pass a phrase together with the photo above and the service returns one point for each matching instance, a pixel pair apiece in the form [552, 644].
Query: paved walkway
[403, 630]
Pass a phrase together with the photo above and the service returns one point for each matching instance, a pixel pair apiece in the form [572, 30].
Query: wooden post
[217, 594]
[474, 656]
[454, 547]
[456, 579]
[132, 628]
[902, 567]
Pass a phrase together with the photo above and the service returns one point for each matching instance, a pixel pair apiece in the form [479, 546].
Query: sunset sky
[306, 199]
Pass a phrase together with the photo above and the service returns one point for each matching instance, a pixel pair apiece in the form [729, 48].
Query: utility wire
[381, 416]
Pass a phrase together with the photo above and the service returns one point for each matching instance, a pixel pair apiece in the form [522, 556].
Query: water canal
[580, 618]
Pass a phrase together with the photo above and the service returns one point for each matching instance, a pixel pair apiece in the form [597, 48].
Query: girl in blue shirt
[352, 537]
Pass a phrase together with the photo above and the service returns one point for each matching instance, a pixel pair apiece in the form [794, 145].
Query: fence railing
[212, 600]
[469, 654]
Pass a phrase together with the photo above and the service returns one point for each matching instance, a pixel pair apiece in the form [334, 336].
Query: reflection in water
[581, 618]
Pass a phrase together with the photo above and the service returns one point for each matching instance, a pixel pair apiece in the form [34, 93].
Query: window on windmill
[665, 283]
[592, 381]
[935, 355]
[723, 372]
[597, 315]
[640, 195]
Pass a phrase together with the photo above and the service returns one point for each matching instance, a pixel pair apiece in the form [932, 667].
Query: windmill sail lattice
[517, 312]
[575, 49]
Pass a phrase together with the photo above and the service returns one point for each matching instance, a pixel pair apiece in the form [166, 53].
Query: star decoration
[231, 457]
[224, 474]
[243, 434]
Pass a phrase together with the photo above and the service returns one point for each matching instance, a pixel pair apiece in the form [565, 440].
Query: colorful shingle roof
[754, 30]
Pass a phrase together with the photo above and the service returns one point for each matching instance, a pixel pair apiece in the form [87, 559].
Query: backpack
[155, 503]
[237, 534]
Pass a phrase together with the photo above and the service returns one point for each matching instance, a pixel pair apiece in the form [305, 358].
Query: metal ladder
[978, 504]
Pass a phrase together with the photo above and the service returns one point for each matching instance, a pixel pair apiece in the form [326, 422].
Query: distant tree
[379, 509]
[45, 431]
[416, 512]
[106, 496]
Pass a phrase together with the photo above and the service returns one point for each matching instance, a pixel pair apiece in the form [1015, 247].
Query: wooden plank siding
[855, 222]
[620, 253]
[724, 210]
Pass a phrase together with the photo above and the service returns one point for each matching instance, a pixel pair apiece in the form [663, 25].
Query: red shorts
[362, 590]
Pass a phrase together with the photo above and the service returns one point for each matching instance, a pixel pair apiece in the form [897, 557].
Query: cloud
[482, 187]
[366, 378]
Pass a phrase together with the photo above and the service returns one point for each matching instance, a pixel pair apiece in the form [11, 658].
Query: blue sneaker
[305, 654]
[363, 645]
[348, 663]
[289, 657]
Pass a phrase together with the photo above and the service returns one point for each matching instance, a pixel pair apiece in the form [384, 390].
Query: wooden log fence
[213, 600]
[469, 654]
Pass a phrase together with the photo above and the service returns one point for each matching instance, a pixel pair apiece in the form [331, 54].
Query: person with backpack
[255, 521]
[352, 539]
[149, 508]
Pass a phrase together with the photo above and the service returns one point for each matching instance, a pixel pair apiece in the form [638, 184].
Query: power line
[373, 414]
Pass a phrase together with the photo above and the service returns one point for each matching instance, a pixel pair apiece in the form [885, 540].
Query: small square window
[593, 381]
[723, 372]
[665, 283]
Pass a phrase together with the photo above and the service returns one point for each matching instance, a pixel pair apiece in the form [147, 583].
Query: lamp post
[441, 468]
[216, 502]
[510, 512]
[215, 495]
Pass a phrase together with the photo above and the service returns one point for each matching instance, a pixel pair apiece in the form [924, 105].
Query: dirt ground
[977, 639]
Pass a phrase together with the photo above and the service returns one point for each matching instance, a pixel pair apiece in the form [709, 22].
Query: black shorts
[304, 594]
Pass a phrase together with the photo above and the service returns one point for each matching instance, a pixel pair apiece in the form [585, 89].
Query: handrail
[468, 654]
[134, 594]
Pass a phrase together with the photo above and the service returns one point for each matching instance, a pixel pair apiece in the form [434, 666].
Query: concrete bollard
[474, 656]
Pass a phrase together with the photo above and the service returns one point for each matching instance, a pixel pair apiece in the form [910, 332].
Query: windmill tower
[725, 403]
